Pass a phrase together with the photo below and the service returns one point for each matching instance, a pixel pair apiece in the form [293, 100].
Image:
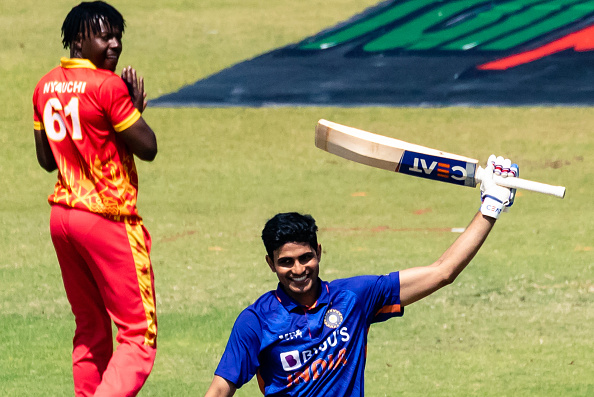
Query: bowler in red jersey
[88, 125]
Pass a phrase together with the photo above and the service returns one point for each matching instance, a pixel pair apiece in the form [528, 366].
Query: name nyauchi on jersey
[310, 351]
[81, 109]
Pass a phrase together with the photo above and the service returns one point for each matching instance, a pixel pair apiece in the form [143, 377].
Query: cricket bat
[406, 158]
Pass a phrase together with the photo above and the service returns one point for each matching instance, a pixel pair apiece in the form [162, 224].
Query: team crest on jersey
[333, 318]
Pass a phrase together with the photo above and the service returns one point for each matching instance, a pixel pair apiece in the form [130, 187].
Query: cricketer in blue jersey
[308, 337]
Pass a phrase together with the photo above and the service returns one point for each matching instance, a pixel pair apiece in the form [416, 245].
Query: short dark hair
[86, 18]
[289, 227]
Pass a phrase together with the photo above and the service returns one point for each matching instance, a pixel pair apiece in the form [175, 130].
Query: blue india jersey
[310, 351]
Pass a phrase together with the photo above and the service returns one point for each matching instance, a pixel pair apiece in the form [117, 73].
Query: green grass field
[518, 322]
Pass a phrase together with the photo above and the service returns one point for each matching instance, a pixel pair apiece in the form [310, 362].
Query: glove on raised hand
[495, 198]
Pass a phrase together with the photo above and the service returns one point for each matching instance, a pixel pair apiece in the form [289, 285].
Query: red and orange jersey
[82, 109]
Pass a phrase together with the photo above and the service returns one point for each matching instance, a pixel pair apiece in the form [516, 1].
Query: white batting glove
[495, 198]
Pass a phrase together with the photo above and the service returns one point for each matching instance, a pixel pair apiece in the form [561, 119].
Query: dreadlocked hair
[88, 18]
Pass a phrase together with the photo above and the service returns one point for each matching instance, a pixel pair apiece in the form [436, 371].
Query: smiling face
[297, 266]
[103, 49]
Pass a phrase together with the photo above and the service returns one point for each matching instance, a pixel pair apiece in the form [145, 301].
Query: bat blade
[395, 155]
[399, 156]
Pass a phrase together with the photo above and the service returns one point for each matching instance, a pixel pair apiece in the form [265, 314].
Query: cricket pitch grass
[519, 321]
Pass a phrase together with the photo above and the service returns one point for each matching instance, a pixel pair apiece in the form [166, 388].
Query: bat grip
[524, 184]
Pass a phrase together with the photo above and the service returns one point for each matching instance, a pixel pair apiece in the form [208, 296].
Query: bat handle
[518, 183]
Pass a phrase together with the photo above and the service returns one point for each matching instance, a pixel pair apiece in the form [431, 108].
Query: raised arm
[220, 387]
[419, 282]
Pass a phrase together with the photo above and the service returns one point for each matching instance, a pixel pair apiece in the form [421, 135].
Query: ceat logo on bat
[290, 360]
[436, 168]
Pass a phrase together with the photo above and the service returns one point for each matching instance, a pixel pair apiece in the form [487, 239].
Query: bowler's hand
[135, 88]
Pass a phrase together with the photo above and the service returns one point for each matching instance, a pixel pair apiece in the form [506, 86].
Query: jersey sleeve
[239, 362]
[118, 104]
[380, 296]
[388, 302]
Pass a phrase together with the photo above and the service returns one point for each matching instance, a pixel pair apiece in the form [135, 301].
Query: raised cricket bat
[416, 160]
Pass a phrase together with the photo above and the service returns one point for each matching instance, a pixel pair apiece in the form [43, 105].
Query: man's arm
[220, 387]
[141, 140]
[419, 282]
[45, 157]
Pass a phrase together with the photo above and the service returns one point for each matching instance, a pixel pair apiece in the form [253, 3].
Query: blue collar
[290, 304]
